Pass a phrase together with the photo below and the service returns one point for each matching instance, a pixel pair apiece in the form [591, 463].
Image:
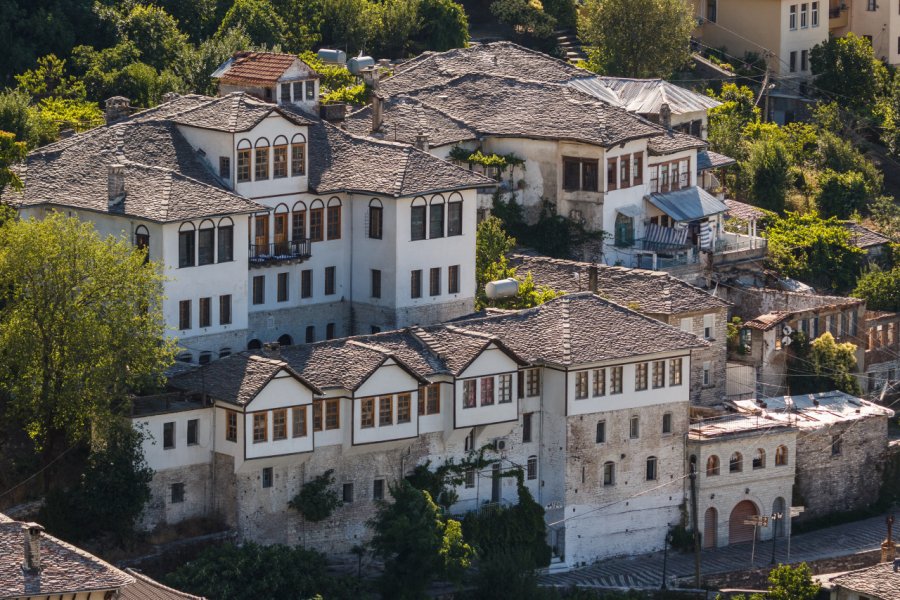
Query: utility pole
[665, 559]
[696, 524]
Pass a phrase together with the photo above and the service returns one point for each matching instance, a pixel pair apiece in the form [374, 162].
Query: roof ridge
[373, 347]
[433, 345]
[566, 329]
[463, 331]
[167, 196]
[234, 110]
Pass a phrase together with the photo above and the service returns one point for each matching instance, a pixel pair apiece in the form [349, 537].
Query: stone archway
[737, 530]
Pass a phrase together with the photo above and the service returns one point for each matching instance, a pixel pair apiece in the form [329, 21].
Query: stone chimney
[377, 112]
[117, 108]
[32, 546]
[115, 183]
[422, 142]
[888, 547]
[169, 96]
[665, 116]
[592, 278]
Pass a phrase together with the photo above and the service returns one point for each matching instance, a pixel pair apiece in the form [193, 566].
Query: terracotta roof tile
[145, 588]
[257, 67]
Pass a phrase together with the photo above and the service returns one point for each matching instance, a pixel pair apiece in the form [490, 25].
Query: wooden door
[262, 232]
[281, 236]
[710, 528]
[737, 530]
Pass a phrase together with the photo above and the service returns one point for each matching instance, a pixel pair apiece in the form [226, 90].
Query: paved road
[646, 570]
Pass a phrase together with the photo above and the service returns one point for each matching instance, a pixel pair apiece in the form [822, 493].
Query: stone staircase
[569, 45]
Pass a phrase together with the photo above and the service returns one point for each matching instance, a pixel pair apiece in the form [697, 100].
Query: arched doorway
[737, 530]
[285, 340]
[710, 529]
[778, 507]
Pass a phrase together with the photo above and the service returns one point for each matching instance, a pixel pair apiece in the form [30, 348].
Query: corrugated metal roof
[688, 204]
[646, 96]
[594, 87]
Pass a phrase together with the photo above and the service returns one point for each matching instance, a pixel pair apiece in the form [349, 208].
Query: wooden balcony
[262, 255]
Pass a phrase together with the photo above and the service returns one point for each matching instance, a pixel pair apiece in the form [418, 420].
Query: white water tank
[327, 55]
[356, 64]
[503, 288]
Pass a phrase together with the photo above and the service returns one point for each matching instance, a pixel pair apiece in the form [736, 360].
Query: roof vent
[115, 183]
[32, 546]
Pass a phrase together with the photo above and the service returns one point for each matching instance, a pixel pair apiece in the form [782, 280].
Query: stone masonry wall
[716, 354]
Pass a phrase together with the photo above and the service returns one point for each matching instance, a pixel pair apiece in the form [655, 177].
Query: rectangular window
[283, 287]
[599, 382]
[469, 393]
[675, 371]
[298, 424]
[334, 222]
[169, 435]
[279, 424]
[378, 489]
[615, 380]
[417, 223]
[186, 249]
[430, 399]
[580, 174]
[609, 473]
[436, 221]
[260, 427]
[709, 322]
[651, 468]
[504, 389]
[261, 164]
[243, 165]
[611, 174]
[317, 415]
[711, 10]
[385, 411]
[836, 444]
[267, 477]
[415, 284]
[601, 432]
[470, 478]
[667, 423]
[310, 90]
[659, 373]
[870, 5]
[347, 493]
[177, 493]
[571, 174]
[206, 246]
[792, 17]
[332, 414]
[298, 225]
[225, 167]
[637, 169]
[226, 244]
[454, 218]
[533, 381]
[376, 283]
[434, 283]
[624, 171]
[329, 280]
[814, 14]
[487, 391]
[453, 279]
[404, 408]
[640, 376]
[231, 425]
[285, 92]
[298, 160]
[804, 11]
[376, 222]
[205, 312]
[706, 374]
[531, 468]
[367, 413]
[526, 428]
[581, 385]
[315, 224]
[792, 62]
[184, 314]
[259, 289]
[804, 60]
[634, 428]
[279, 162]
[306, 283]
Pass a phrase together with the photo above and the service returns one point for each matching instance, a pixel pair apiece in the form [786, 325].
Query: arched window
[285, 340]
[781, 456]
[375, 226]
[280, 158]
[712, 466]
[652, 465]
[316, 221]
[226, 240]
[261, 160]
[298, 155]
[298, 222]
[736, 463]
[759, 459]
[224, 352]
[142, 240]
[609, 473]
[282, 214]
[436, 217]
[244, 148]
[334, 219]
[531, 469]
[206, 243]
[417, 219]
[454, 214]
[254, 344]
[624, 233]
[205, 357]
[186, 245]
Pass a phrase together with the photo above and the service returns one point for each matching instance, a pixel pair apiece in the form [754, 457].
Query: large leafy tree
[258, 18]
[24, 121]
[842, 194]
[621, 31]
[416, 543]
[444, 26]
[11, 152]
[767, 169]
[398, 22]
[156, 35]
[80, 327]
[846, 70]
[880, 289]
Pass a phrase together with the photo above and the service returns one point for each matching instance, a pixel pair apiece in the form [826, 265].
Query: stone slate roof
[673, 141]
[233, 113]
[863, 237]
[145, 588]
[493, 105]
[648, 292]
[165, 179]
[255, 68]
[406, 118]
[743, 211]
[880, 582]
[237, 378]
[65, 569]
[339, 161]
[707, 159]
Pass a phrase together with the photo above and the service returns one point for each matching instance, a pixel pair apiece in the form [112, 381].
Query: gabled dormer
[271, 77]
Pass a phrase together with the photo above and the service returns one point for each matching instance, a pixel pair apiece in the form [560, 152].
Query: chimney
[32, 546]
[115, 183]
[377, 112]
[272, 349]
[665, 116]
[422, 141]
[169, 96]
[592, 278]
[117, 108]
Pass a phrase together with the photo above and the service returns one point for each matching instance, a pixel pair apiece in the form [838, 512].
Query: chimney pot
[115, 183]
[665, 116]
[592, 278]
[32, 546]
[377, 112]
[422, 142]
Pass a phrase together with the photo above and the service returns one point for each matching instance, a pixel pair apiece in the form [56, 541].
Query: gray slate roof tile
[879, 582]
[673, 141]
[233, 113]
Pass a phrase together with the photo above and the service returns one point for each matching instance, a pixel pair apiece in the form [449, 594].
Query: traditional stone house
[658, 295]
[588, 423]
[882, 353]
[881, 582]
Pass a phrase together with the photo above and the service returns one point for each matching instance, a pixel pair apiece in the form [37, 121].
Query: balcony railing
[294, 250]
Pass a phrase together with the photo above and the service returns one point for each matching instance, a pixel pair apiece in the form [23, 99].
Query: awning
[632, 211]
[688, 204]
[706, 159]
[663, 238]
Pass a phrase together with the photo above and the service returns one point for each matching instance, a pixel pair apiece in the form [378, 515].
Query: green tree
[317, 499]
[347, 24]
[842, 194]
[526, 17]
[619, 29]
[814, 250]
[839, 154]
[80, 327]
[156, 36]
[880, 289]
[143, 84]
[24, 121]
[79, 115]
[727, 124]
[767, 169]
[397, 22]
[564, 11]
[416, 543]
[845, 68]
[258, 18]
[117, 472]
[11, 152]
[792, 583]
[212, 52]
[444, 26]
[49, 80]
[250, 572]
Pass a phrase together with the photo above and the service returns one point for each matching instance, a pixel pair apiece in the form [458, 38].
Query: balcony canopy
[689, 204]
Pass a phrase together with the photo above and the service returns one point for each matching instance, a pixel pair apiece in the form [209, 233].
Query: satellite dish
[786, 340]
[786, 330]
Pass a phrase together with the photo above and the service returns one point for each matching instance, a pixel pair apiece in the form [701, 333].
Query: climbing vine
[316, 499]
[441, 481]
[499, 162]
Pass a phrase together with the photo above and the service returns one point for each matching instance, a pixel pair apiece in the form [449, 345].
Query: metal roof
[646, 96]
[688, 204]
